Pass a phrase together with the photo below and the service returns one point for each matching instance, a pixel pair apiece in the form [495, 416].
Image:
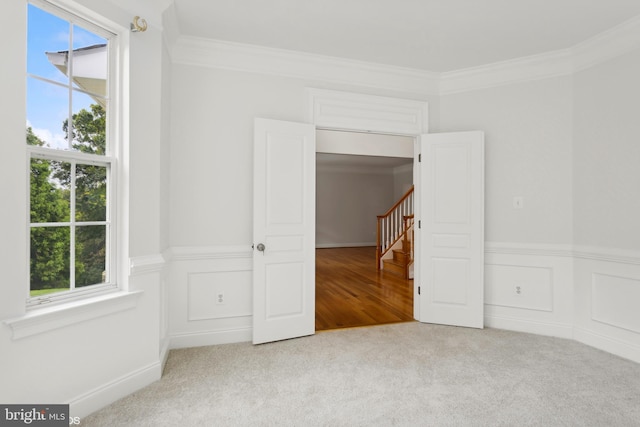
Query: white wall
[606, 179]
[607, 154]
[348, 200]
[568, 263]
[531, 136]
[87, 361]
[528, 151]
[528, 130]
[402, 180]
[211, 192]
[568, 145]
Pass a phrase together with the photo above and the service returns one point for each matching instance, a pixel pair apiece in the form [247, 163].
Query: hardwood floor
[351, 292]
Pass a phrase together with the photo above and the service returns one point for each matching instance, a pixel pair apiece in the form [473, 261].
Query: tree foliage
[50, 202]
[49, 266]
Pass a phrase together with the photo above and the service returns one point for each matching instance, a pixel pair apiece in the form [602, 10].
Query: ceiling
[433, 35]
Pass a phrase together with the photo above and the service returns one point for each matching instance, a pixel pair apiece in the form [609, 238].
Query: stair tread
[394, 262]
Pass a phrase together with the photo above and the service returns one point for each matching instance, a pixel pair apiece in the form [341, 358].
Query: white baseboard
[610, 345]
[108, 393]
[164, 352]
[200, 339]
[559, 330]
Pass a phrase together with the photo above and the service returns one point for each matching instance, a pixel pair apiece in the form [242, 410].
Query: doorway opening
[352, 189]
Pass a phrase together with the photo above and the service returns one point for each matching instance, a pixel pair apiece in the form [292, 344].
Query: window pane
[89, 125]
[50, 191]
[49, 264]
[91, 193]
[90, 255]
[48, 44]
[90, 64]
[47, 113]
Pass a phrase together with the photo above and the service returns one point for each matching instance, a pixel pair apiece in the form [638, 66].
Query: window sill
[46, 319]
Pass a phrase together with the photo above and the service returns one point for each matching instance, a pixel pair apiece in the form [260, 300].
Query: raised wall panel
[614, 301]
[519, 286]
[544, 273]
[203, 289]
[350, 111]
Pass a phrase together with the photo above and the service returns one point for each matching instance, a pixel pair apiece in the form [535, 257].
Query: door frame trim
[356, 112]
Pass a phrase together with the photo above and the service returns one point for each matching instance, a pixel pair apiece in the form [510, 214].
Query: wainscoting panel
[529, 288]
[585, 294]
[519, 286]
[615, 301]
[216, 295]
[210, 295]
[607, 293]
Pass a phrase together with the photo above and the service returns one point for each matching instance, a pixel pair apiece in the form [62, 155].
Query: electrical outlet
[220, 298]
[518, 290]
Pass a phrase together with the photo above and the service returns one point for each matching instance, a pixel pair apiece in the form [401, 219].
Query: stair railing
[392, 225]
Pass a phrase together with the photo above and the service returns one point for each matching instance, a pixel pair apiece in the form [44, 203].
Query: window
[71, 156]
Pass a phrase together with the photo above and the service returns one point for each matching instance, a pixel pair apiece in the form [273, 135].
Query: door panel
[451, 271]
[284, 223]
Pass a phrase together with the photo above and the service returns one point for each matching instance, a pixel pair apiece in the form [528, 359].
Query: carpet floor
[405, 374]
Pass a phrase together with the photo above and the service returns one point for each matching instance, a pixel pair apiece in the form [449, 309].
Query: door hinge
[419, 224]
[419, 158]
[418, 290]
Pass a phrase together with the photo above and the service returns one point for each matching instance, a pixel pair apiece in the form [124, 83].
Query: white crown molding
[607, 45]
[596, 50]
[256, 59]
[171, 27]
[546, 65]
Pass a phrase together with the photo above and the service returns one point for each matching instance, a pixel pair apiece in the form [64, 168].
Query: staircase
[394, 247]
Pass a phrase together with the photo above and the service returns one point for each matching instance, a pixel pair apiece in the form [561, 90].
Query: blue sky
[48, 104]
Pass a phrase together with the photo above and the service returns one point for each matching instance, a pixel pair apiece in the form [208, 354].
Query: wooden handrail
[393, 224]
[402, 199]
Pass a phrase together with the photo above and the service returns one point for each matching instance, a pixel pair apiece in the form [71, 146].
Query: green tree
[49, 246]
[89, 136]
[50, 189]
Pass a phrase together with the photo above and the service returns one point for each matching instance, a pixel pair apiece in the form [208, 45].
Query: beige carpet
[406, 374]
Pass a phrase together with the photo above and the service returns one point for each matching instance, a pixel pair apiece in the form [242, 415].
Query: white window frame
[109, 160]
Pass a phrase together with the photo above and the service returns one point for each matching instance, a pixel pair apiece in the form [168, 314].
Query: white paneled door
[283, 230]
[451, 240]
